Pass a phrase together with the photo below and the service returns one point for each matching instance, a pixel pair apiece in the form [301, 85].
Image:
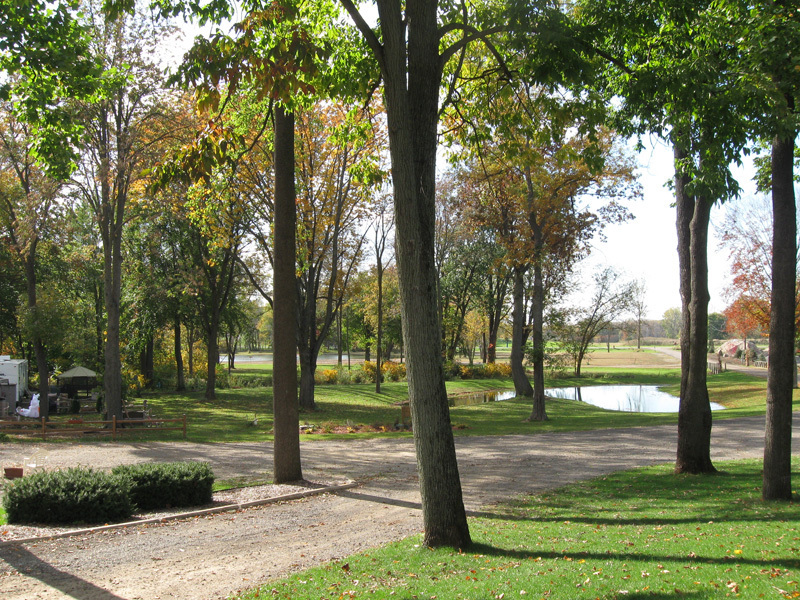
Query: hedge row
[167, 485]
[83, 495]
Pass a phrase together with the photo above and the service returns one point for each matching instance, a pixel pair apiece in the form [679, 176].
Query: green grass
[245, 415]
[641, 534]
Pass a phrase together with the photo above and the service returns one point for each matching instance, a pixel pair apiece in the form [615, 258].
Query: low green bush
[69, 496]
[167, 485]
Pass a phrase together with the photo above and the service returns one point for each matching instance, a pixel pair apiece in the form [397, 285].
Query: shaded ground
[212, 557]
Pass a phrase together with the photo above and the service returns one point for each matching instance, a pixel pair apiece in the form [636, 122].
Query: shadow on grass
[489, 550]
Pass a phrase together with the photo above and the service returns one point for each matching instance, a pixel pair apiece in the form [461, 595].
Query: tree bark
[379, 340]
[179, 377]
[777, 482]
[412, 75]
[694, 414]
[212, 358]
[307, 343]
[538, 412]
[39, 350]
[522, 386]
[286, 455]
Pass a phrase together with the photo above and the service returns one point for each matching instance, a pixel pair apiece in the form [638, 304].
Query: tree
[611, 299]
[338, 165]
[674, 79]
[286, 462]
[672, 323]
[717, 329]
[742, 321]
[639, 306]
[120, 130]
[29, 212]
[537, 183]
[41, 79]
[410, 47]
[746, 233]
[382, 227]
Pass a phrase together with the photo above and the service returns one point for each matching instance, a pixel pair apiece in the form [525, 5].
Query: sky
[645, 249]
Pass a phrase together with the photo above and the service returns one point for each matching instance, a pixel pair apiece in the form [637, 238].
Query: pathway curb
[184, 515]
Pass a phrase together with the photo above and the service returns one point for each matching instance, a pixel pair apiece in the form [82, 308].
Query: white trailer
[16, 372]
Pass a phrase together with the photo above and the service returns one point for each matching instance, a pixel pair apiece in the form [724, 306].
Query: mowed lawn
[641, 534]
[358, 411]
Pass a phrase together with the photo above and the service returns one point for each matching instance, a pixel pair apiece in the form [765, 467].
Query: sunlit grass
[638, 534]
[245, 415]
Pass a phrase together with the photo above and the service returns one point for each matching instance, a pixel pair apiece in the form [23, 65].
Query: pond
[628, 398]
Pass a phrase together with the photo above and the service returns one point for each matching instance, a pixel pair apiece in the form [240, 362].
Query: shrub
[394, 371]
[481, 371]
[326, 376]
[369, 370]
[68, 496]
[167, 485]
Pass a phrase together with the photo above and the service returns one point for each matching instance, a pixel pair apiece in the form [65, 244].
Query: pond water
[628, 398]
[481, 397]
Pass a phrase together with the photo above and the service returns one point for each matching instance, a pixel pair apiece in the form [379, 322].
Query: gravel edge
[165, 517]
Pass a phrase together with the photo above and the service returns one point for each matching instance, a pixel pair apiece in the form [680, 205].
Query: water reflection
[481, 397]
[628, 398]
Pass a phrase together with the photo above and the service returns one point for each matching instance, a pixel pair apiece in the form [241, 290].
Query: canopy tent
[77, 379]
[76, 372]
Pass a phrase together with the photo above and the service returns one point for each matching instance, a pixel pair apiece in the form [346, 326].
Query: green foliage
[167, 485]
[69, 496]
[645, 533]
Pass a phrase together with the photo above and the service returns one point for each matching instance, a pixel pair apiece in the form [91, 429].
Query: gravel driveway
[212, 557]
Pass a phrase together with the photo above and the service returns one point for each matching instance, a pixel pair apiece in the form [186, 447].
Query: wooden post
[114, 427]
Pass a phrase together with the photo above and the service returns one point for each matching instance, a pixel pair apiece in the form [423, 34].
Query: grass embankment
[638, 534]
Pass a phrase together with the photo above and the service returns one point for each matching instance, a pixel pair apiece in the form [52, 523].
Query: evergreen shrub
[68, 496]
[167, 485]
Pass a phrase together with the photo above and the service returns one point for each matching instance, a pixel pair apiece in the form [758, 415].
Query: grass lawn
[638, 534]
[245, 415]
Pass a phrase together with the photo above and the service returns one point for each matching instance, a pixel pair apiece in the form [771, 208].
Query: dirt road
[212, 557]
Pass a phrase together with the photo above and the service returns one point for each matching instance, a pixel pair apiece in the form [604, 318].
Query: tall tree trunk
[379, 340]
[39, 350]
[146, 358]
[212, 358]
[308, 367]
[190, 354]
[694, 414]
[339, 339]
[522, 386]
[306, 346]
[777, 484]
[180, 384]
[286, 455]
[412, 76]
[99, 324]
[538, 412]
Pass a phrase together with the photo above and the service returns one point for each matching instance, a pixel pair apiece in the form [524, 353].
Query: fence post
[114, 427]
[184, 426]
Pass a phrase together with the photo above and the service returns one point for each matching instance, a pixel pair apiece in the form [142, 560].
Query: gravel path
[212, 557]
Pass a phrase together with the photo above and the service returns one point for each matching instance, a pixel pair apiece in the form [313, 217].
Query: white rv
[15, 372]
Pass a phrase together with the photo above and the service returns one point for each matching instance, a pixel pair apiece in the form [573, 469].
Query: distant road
[730, 366]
